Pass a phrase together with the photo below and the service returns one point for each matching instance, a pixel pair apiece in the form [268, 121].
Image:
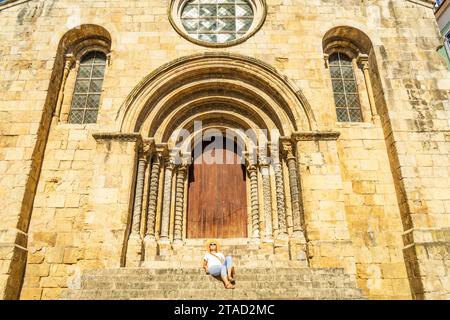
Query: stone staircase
[180, 276]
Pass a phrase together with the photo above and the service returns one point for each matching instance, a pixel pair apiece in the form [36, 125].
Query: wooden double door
[217, 200]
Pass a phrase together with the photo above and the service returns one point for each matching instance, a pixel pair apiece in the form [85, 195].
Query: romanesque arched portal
[187, 100]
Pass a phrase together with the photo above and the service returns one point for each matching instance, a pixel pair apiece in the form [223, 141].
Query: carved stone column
[179, 204]
[297, 208]
[363, 60]
[268, 229]
[164, 242]
[254, 202]
[279, 186]
[137, 207]
[149, 239]
[69, 60]
[281, 242]
[266, 246]
[297, 242]
[134, 250]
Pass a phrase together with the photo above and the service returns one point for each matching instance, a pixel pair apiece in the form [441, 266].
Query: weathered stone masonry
[371, 197]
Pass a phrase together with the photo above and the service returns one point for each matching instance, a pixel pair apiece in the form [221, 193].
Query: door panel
[217, 201]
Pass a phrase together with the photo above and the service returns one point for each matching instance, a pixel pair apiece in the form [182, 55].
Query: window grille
[217, 21]
[88, 87]
[345, 90]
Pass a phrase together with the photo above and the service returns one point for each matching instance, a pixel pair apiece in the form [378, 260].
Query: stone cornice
[118, 136]
[315, 135]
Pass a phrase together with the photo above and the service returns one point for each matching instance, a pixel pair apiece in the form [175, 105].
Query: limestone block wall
[413, 102]
[81, 209]
[415, 123]
[326, 225]
[372, 212]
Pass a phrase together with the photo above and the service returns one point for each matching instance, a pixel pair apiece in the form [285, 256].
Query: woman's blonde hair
[209, 241]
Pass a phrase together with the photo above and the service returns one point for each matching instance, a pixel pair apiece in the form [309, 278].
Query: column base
[164, 247]
[254, 242]
[376, 120]
[297, 247]
[177, 245]
[150, 248]
[134, 251]
[281, 248]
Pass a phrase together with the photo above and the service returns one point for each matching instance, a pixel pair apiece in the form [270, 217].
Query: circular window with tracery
[217, 23]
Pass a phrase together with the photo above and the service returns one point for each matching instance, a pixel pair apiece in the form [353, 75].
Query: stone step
[286, 282]
[200, 271]
[271, 293]
[225, 242]
[241, 264]
[172, 285]
[204, 277]
[199, 257]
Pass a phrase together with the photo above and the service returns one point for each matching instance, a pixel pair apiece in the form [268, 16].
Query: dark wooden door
[217, 201]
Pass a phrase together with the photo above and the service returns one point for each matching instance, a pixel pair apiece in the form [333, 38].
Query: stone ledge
[117, 136]
[315, 135]
[426, 236]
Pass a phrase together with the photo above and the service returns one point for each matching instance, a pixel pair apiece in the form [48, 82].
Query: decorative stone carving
[363, 60]
[179, 203]
[153, 196]
[279, 188]
[137, 207]
[134, 252]
[165, 214]
[69, 61]
[297, 206]
[315, 135]
[118, 136]
[267, 196]
[252, 170]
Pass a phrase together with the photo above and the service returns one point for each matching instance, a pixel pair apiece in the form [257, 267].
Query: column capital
[161, 149]
[287, 147]
[69, 60]
[326, 59]
[148, 145]
[172, 158]
[363, 60]
[182, 168]
[250, 159]
[263, 158]
[108, 58]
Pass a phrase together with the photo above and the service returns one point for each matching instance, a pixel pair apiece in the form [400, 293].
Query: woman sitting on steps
[215, 263]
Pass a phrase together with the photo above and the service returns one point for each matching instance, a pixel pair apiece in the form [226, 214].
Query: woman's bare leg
[224, 277]
[230, 268]
[231, 274]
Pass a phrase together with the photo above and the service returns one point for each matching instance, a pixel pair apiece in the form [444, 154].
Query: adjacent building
[442, 13]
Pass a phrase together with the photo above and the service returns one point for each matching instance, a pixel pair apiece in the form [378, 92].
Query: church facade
[328, 123]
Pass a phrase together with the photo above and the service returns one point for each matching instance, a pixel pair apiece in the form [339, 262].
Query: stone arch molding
[214, 86]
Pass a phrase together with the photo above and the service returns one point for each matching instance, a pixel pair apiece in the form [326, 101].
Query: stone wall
[70, 229]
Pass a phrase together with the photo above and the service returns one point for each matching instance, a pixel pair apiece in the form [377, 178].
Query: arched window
[88, 87]
[345, 90]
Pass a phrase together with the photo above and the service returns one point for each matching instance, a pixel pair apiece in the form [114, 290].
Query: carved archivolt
[215, 81]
